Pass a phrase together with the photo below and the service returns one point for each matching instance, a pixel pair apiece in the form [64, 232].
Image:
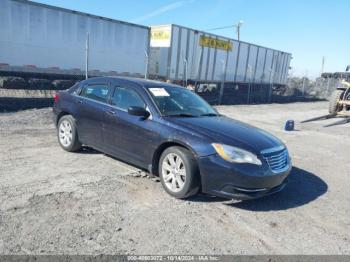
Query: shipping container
[179, 54]
[38, 37]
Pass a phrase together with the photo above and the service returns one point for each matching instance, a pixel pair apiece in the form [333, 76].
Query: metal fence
[297, 89]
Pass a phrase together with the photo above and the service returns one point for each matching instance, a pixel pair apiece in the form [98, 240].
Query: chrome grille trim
[272, 150]
[277, 158]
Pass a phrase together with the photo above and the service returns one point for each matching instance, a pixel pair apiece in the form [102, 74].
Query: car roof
[140, 81]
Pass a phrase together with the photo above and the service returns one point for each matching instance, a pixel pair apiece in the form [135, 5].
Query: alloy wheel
[65, 133]
[174, 172]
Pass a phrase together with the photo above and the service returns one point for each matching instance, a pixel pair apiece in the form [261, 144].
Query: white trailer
[179, 53]
[42, 38]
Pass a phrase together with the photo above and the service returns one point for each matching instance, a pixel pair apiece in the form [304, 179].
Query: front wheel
[178, 172]
[67, 134]
[334, 106]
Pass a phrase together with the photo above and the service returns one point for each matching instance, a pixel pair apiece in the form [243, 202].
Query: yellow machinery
[339, 102]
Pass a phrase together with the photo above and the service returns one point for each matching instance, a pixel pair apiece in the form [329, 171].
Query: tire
[187, 172]
[67, 128]
[334, 107]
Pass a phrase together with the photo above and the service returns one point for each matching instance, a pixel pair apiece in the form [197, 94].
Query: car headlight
[236, 155]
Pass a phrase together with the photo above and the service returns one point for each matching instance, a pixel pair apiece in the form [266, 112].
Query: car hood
[229, 131]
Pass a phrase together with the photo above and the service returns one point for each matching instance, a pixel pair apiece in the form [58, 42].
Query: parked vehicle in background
[36, 39]
[174, 134]
[339, 102]
[180, 53]
[49, 40]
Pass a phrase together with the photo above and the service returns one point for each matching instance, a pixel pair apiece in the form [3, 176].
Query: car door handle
[78, 101]
[110, 112]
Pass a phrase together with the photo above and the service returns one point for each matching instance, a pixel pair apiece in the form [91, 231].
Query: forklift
[339, 102]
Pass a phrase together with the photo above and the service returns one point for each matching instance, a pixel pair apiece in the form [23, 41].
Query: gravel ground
[55, 202]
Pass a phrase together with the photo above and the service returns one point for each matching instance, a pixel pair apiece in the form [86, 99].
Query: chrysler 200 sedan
[174, 134]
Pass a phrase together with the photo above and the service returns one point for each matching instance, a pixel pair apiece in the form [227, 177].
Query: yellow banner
[215, 43]
[160, 35]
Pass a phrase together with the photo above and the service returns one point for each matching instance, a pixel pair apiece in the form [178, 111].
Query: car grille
[277, 159]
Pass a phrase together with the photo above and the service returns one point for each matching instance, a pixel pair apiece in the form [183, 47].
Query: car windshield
[177, 101]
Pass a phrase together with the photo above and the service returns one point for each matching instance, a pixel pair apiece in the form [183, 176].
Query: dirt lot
[54, 202]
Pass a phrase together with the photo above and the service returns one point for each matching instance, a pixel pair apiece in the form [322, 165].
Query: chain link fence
[321, 88]
[296, 90]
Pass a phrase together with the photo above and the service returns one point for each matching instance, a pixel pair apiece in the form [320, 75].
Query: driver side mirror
[347, 68]
[138, 111]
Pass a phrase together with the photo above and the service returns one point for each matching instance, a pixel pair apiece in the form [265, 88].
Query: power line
[218, 28]
[237, 26]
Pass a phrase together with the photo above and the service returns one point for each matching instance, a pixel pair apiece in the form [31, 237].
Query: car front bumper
[239, 181]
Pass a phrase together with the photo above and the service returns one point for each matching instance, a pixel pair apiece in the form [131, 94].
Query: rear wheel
[178, 172]
[67, 134]
[334, 106]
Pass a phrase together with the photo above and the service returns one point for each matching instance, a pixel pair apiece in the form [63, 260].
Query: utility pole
[238, 29]
[224, 71]
[87, 56]
[304, 78]
[250, 73]
[237, 26]
[323, 61]
[272, 75]
[185, 74]
[146, 66]
[328, 81]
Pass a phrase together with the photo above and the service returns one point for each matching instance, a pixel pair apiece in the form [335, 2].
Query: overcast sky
[309, 29]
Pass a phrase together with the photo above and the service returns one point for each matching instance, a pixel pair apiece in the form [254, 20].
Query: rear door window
[99, 93]
[124, 97]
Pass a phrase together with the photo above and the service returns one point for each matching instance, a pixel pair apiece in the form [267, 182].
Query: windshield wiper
[209, 114]
[182, 115]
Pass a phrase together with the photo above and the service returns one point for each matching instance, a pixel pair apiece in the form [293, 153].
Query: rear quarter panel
[65, 105]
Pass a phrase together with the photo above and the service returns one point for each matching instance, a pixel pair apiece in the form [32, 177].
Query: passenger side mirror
[138, 111]
[347, 68]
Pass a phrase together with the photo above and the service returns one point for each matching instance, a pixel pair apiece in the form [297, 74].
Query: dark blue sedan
[174, 134]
